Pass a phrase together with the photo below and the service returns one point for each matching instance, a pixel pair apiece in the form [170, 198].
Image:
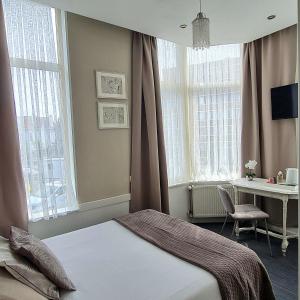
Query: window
[35, 42]
[173, 90]
[207, 111]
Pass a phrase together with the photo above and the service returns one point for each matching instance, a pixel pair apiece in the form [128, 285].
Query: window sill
[87, 206]
[175, 185]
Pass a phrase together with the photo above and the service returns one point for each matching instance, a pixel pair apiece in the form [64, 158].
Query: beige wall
[102, 156]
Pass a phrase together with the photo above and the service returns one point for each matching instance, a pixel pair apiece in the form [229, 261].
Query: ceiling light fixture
[201, 37]
[271, 17]
[183, 26]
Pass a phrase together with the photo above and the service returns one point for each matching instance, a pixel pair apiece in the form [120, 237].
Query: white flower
[251, 164]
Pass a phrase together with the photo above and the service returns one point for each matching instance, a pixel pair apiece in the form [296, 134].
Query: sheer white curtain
[201, 109]
[214, 95]
[171, 60]
[34, 37]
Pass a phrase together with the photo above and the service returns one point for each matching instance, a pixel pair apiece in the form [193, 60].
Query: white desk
[260, 187]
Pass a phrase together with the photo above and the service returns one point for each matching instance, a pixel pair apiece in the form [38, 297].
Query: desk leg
[285, 242]
[236, 196]
[236, 201]
[237, 229]
[254, 199]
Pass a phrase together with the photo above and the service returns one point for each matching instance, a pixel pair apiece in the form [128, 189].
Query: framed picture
[111, 85]
[112, 115]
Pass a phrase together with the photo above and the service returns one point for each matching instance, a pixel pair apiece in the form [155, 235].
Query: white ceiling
[232, 21]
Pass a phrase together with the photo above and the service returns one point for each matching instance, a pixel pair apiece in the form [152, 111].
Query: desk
[282, 192]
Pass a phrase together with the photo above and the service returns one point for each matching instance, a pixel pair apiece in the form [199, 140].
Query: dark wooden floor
[283, 271]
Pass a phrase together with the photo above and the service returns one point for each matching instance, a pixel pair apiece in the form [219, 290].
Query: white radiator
[205, 201]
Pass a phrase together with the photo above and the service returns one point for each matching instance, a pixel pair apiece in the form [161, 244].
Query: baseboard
[208, 220]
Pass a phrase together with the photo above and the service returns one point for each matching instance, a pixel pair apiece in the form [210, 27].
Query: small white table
[260, 187]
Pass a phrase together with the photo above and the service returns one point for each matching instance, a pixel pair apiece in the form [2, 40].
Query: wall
[102, 156]
[277, 137]
[91, 213]
[298, 132]
[179, 201]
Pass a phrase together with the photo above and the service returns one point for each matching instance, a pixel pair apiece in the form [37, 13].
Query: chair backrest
[226, 200]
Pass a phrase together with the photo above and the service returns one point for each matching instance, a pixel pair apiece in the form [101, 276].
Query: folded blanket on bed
[238, 270]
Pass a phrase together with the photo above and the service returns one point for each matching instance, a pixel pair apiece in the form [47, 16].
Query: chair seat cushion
[248, 212]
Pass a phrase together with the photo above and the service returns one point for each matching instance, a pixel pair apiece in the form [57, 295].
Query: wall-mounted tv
[285, 102]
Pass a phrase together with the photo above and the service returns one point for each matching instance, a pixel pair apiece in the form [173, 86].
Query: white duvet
[109, 262]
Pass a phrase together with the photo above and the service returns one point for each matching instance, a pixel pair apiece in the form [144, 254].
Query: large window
[201, 109]
[35, 42]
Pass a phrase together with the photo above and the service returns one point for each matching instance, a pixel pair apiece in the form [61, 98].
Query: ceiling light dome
[201, 38]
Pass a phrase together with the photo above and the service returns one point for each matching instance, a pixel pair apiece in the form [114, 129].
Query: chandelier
[201, 31]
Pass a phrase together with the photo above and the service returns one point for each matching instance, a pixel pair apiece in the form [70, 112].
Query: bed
[145, 255]
[150, 255]
[107, 261]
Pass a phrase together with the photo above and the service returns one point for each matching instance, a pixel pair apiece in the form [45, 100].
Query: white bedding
[109, 262]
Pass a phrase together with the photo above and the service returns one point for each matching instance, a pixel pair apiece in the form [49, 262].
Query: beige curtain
[269, 62]
[149, 183]
[13, 207]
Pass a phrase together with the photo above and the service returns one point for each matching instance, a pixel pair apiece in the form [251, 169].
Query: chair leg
[268, 237]
[233, 229]
[224, 224]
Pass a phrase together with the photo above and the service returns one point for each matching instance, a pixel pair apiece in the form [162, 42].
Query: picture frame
[112, 115]
[111, 85]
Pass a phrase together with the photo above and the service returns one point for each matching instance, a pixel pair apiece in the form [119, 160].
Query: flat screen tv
[285, 102]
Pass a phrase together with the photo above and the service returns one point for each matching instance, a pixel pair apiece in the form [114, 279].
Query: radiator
[205, 201]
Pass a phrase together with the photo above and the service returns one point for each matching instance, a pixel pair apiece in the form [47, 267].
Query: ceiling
[232, 21]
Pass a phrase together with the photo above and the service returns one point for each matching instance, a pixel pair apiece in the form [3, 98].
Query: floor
[283, 271]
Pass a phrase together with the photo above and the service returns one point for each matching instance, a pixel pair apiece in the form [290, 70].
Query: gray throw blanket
[238, 270]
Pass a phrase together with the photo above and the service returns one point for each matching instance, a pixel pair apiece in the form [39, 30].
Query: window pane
[31, 31]
[37, 95]
[172, 83]
[214, 101]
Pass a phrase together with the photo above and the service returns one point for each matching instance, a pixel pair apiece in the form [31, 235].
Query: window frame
[62, 68]
[182, 54]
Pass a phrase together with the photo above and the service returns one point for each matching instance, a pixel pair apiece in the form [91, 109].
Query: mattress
[107, 261]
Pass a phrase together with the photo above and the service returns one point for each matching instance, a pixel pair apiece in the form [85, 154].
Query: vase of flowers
[250, 166]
